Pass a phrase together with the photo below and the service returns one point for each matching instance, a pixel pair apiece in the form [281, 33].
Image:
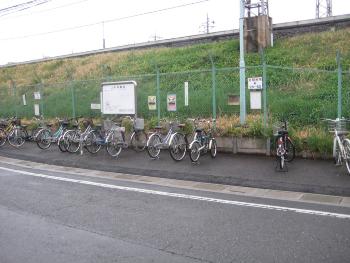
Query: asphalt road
[313, 176]
[58, 217]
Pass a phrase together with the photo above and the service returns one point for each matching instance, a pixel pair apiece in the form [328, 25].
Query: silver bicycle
[341, 144]
[174, 141]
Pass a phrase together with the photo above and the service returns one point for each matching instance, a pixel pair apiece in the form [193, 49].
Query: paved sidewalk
[310, 176]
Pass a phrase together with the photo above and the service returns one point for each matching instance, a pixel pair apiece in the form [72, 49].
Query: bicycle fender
[149, 139]
[191, 144]
[172, 138]
[210, 144]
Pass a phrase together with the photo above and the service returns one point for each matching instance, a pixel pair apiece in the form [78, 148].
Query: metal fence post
[213, 85]
[339, 85]
[15, 97]
[158, 96]
[73, 98]
[41, 99]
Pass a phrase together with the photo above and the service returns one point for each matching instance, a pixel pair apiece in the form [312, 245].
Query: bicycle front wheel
[347, 154]
[138, 140]
[336, 152]
[72, 140]
[213, 148]
[113, 148]
[153, 145]
[194, 151]
[2, 137]
[91, 142]
[43, 139]
[177, 147]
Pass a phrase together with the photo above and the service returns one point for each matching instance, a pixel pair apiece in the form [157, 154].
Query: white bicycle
[341, 144]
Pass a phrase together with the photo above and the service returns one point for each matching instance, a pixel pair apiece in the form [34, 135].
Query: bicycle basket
[139, 124]
[277, 128]
[339, 125]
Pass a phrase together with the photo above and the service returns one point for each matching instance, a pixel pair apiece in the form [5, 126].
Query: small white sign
[37, 95]
[255, 83]
[255, 100]
[36, 110]
[186, 93]
[95, 106]
[24, 99]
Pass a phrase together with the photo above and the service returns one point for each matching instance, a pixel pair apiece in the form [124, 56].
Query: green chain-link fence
[308, 93]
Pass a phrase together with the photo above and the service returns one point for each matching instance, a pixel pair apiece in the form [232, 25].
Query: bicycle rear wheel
[2, 137]
[290, 151]
[139, 140]
[177, 147]
[347, 154]
[43, 139]
[153, 145]
[16, 137]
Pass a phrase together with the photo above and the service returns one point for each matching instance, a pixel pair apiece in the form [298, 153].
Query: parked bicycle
[285, 149]
[202, 143]
[46, 136]
[12, 131]
[341, 144]
[174, 141]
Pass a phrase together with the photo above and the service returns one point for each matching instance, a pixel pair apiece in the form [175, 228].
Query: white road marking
[184, 196]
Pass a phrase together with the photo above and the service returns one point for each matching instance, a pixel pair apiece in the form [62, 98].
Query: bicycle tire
[138, 140]
[43, 139]
[72, 140]
[290, 151]
[113, 148]
[336, 152]
[2, 137]
[90, 143]
[281, 162]
[62, 144]
[16, 138]
[178, 147]
[194, 151]
[347, 154]
[152, 149]
[213, 148]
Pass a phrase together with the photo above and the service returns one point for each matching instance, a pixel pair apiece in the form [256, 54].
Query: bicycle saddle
[199, 129]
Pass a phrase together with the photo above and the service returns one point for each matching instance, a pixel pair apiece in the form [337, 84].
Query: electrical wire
[21, 7]
[106, 21]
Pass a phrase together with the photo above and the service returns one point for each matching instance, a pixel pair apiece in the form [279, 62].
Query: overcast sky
[32, 33]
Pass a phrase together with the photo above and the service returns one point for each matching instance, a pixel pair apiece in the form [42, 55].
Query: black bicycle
[285, 149]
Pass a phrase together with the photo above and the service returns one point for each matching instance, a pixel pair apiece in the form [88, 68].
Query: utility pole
[205, 27]
[242, 65]
[323, 8]
[103, 35]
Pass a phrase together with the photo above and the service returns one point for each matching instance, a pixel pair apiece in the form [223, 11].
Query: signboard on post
[255, 83]
[37, 95]
[152, 102]
[171, 102]
[118, 97]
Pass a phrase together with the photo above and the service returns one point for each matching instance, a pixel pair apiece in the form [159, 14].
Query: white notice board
[118, 97]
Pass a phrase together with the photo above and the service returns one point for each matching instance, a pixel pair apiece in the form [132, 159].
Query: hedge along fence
[310, 94]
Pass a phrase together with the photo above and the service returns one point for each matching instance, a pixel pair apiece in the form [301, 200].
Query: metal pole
[339, 85]
[264, 89]
[158, 96]
[73, 99]
[15, 97]
[213, 77]
[242, 67]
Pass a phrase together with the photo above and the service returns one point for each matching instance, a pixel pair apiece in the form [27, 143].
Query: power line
[45, 10]
[106, 21]
[21, 7]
